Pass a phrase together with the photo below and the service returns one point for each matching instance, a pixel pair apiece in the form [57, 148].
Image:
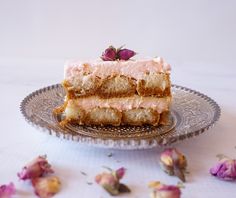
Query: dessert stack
[117, 90]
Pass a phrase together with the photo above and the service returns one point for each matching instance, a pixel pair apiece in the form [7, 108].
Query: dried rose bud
[120, 173]
[109, 54]
[46, 187]
[225, 169]
[112, 54]
[173, 162]
[36, 168]
[6, 191]
[111, 181]
[125, 54]
[164, 191]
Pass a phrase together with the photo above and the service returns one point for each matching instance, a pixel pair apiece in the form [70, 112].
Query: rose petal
[46, 187]
[112, 190]
[225, 169]
[36, 168]
[164, 191]
[120, 172]
[106, 179]
[6, 191]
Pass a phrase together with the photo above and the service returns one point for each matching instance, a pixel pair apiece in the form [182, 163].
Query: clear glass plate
[192, 113]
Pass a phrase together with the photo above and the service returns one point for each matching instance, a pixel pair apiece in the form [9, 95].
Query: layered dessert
[117, 91]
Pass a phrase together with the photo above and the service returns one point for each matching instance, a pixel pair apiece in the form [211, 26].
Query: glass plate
[192, 113]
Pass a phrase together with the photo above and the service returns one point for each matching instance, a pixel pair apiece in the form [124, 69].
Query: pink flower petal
[120, 172]
[225, 169]
[106, 179]
[36, 168]
[164, 191]
[6, 191]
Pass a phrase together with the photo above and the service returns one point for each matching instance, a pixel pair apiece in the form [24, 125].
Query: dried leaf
[187, 172]
[124, 189]
[180, 184]
[83, 173]
[110, 155]
[111, 190]
[108, 168]
[179, 173]
[221, 156]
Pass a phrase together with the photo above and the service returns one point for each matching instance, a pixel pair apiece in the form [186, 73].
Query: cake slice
[117, 92]
[148, 77]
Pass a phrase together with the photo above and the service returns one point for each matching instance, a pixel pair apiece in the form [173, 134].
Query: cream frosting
[121, 104]
[132, 68]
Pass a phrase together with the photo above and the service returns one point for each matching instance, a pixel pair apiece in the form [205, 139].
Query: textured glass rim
[123, 143]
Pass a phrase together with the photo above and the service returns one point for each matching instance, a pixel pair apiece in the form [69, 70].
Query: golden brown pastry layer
[110, 116]
[135, 110]
[157, 84]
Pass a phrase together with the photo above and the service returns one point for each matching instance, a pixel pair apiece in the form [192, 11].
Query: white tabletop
[32, 57]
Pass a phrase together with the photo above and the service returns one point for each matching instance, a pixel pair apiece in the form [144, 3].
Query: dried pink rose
[120, 173]
[125, 54]
[112, 54]
[109, 54]
[110, 181]
[173, 162]
[164, 191]
[46, 187]
[225, 169]
[6, 191]
[36, 168]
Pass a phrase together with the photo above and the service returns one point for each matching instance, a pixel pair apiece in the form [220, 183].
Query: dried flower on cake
[173, 162]
[112, 54]
[160, 190]
[109, 54]
[36, 168]
[46, 187]
[125, 54]
[225, 169]
[6, 191]
[110, 181]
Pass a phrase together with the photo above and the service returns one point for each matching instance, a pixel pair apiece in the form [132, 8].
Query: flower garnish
[173, 163]
[36, 168]
[46, 187]
[109, 54]
[6, 191]
[160, 190]
[225, 169]
[112, 54]
[110, 181]
[125, 54]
